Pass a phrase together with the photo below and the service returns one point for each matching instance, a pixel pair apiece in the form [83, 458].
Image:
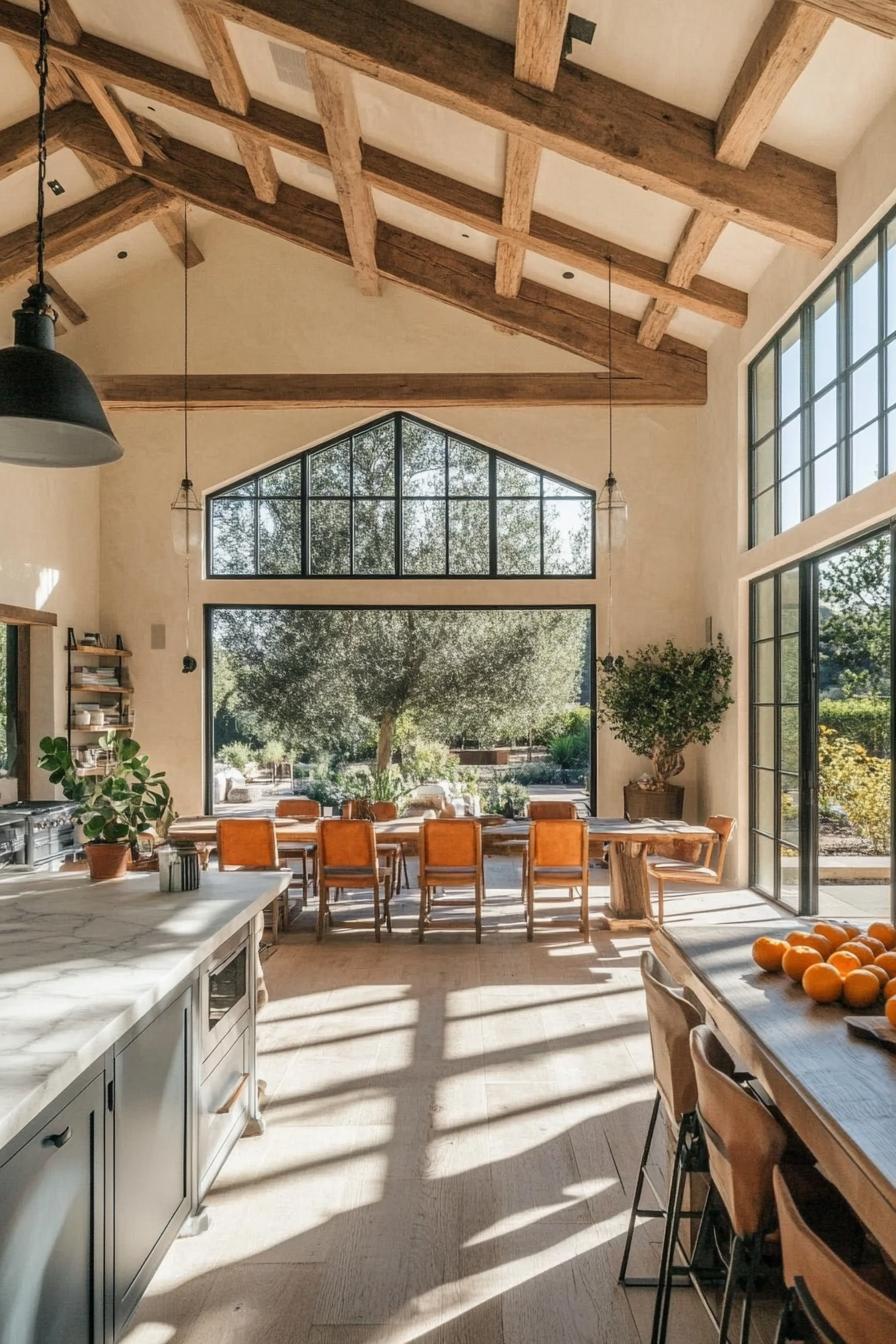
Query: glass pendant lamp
[186, 511]
[50, 415]
[612, 507]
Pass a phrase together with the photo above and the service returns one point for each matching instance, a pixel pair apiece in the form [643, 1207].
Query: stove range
[49, 832]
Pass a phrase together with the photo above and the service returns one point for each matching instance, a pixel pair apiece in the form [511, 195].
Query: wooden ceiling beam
[590, 118]
[81, 226]
[63, 24]
[314, 391]
[418, 185]
[338, 112]
[69, 307]
[310, 221]
[540, 28]
[210, 34]
[115, 115]
[783, 47]
[879, 16]
[62, 88]
[170, 225]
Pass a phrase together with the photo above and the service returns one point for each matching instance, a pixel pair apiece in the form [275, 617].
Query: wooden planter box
[663, 804]
[486, 756]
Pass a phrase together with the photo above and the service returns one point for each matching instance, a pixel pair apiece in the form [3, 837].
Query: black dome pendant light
[50, 415]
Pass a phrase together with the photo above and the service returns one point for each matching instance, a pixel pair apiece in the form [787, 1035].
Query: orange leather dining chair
[389, 812]
[251, 842]
[450, 856]
[558, 858]
[347, 860]
[300, 809]
[700, 872]
[744, 1143]
[552, 809]
[836, 1294]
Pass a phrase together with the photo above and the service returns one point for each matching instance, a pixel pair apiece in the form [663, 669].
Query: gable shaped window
[401, 497]
[822, 395]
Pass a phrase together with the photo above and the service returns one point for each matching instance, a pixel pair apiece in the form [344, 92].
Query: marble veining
[81, 962]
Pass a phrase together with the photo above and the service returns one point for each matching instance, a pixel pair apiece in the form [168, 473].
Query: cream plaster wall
[866, 189]
[49, 560]
[258, 304]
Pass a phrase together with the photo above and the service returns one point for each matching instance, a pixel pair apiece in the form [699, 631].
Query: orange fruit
[860, 950]
[833, 932]
[889, 990]
[797, 960]
[874, 943]
[822, 983]
[861, 989]
[884, 931]
[852, 929]
[768, 953]
[882, 976]
[844, 961]
[888, 961]
[890, 1010]
[798, 938]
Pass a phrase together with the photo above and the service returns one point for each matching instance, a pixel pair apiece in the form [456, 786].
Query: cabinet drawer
[223, 1108]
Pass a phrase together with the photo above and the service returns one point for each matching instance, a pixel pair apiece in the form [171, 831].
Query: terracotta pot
[106, 861]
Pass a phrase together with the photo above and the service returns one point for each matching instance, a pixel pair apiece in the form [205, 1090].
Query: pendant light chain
[610, 477]
[187, 483]
[43, 68]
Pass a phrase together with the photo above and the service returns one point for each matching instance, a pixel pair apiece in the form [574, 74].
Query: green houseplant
[658, 701]
[115, 808]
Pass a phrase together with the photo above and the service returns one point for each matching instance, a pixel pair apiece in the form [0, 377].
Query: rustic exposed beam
[115, 115]
[421, 186]
[784, 45]
[312, 391]
[61, 87]
[18, 143]
[81, 226]
[540, 27]
[590, 118]
[209, 32]
[338, 112]
[69, 307]
[310, 221]
[877, 15]
[787, 40]
[170, 225]
[62, 23]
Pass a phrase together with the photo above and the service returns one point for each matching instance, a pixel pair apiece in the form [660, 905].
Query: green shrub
[568, 723]
[570, 751]
[425, 761]
[865, 720]
[538, 772]
[272, 753]
[858, 783]
[236, 754]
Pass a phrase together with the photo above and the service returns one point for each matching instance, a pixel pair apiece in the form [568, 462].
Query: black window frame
[841, 384]
[400, 499]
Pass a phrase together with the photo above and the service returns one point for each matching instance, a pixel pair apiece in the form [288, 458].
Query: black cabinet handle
[59, 1140]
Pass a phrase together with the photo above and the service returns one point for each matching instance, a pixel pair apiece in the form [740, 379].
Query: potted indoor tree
[658, 701]
[113, 809]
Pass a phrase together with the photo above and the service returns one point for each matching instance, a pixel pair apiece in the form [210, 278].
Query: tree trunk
[384, 742]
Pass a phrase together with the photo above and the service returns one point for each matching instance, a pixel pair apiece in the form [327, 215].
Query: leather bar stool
[671, 1016]
[830, 1299]
[744, 1142]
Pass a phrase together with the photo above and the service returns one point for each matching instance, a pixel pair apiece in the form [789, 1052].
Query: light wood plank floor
[452, 1139]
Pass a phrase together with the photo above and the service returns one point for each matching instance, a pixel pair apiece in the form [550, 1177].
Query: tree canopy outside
[854, 625]
[332, 679]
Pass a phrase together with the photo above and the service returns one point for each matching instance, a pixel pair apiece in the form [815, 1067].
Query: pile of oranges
[837, 962]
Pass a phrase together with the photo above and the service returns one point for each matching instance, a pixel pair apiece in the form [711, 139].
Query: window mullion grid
[844, 309]
[776, 422]
[541, 525]
[806, 404]
[398, 442]
[445, 488]
[881, 354]
[492, 515]
[305, 515]
[776, 702]
[351, 506]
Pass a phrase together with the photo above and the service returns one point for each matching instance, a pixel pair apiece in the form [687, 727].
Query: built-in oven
[225, 990]
[12, 841]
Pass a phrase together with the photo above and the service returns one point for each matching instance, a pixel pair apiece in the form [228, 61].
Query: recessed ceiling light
[569, 275]
[56, 186]
[121, 255]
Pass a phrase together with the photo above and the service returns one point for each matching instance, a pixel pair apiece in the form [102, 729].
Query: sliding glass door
[821, 732]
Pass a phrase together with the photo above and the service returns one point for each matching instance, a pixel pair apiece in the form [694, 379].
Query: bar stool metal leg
[637, 1210]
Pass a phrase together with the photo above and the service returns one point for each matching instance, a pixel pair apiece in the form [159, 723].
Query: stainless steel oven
[225, 990]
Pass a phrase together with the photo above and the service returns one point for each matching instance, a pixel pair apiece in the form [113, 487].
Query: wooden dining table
[838, 1092]
[627, 842]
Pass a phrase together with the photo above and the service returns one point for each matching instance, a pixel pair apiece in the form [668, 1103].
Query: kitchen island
[127, 1072]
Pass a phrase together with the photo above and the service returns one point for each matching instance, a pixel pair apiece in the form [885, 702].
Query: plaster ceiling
[685, 51]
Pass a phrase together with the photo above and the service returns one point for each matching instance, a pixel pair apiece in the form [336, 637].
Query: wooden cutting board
[875, 1029]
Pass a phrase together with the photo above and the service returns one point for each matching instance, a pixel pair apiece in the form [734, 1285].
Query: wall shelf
[120, 691]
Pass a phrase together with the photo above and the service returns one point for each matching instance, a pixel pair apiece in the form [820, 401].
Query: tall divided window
[9, 700]
[401, 497]
[822, 395]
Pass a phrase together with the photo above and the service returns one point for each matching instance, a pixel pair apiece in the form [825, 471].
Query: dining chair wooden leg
[477, 892]
[322, 911]
[530, 907]
[586, 910]
[524, 876]
[660, 897]
[404, 869]
[390, 878]
[376, 911]
[304, 877]
[422, 922]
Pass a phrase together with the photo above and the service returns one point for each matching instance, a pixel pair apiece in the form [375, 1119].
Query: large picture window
[822, 395]
[401, 497]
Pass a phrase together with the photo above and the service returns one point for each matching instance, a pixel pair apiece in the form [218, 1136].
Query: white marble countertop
[81, 962]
